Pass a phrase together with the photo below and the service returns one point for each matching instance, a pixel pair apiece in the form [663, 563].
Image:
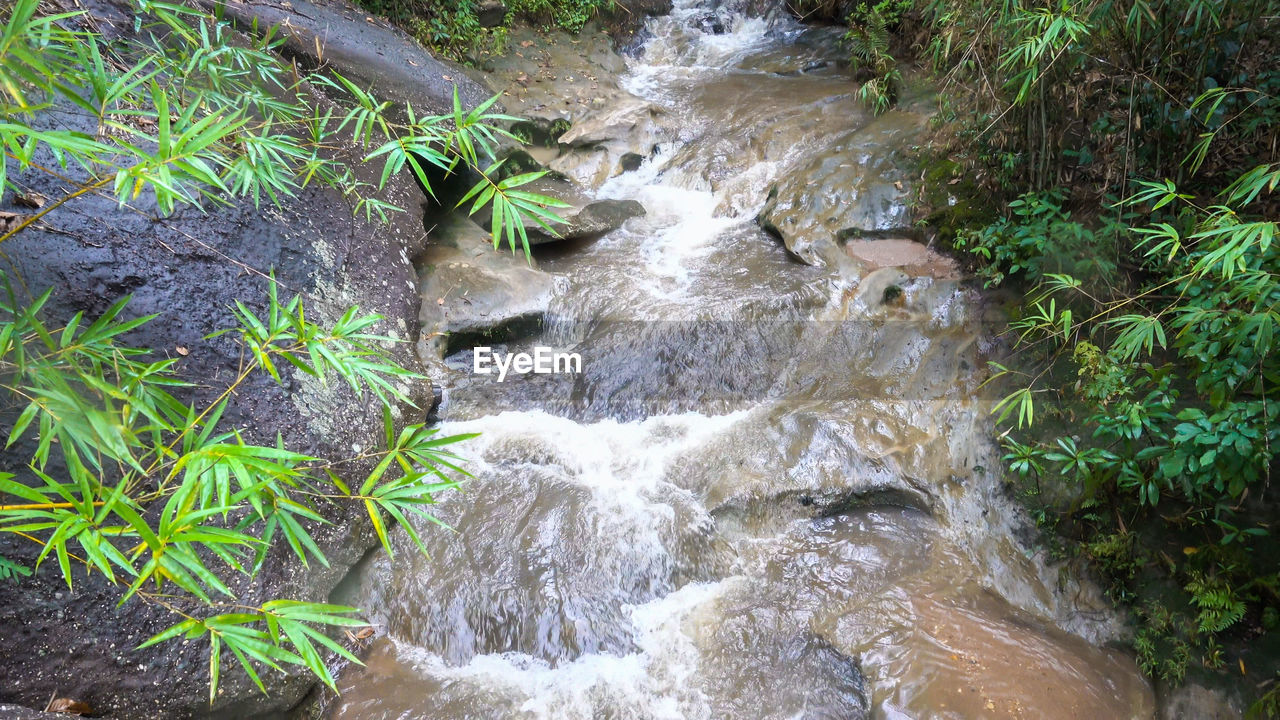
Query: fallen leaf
[182, 350]
[446, 77]
[32, 200]
[9, 221]
[898, 184]
[413, 63]
[68, 706]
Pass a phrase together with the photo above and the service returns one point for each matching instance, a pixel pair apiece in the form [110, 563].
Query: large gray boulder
[335, 35]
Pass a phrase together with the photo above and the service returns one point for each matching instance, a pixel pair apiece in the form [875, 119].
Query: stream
[772, 490]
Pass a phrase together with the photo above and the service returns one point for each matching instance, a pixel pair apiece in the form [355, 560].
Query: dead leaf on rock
[9, 221]
[446, 78]
[67, 706]
[33, 200]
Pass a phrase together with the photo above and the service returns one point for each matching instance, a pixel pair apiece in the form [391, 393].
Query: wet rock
[963, 649]
[912, 257]
[754, 8]
[577, 113]
[469, 289]
[877, 286]
[592, 152]
[627, 118]
[365, 49]
[630, 162]
[542, 131]
[625, 18]
[491, 13]
[708, 23]
[855, 189]
[584, 218]
[597, 218]
[1196, 701]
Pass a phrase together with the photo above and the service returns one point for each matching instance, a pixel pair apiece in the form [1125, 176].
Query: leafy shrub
[1175, 392]
[452, 27]
[1037, 238]
[147, 491]
[1143, 400]
[570, 15]
[868, 40]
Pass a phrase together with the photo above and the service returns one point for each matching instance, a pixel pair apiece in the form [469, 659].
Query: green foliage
[1115, 553]
[1266, 707]
[1111, 89]
[10, 570]
[133, 484]
[868, 42]
[125, 479]
[1039, 237]
[570, 15]
[1220, 605]
[1162, 644]
[1174, 412]
[198, 118]
[452, 27]
[449, 27]
[281, 632]
[1141, 403]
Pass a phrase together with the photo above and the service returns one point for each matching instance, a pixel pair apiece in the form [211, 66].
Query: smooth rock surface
[856, 188]
[364, 48]
[570, 86]
[470, 288]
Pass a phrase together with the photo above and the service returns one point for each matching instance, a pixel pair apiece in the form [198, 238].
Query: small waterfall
[771, 492]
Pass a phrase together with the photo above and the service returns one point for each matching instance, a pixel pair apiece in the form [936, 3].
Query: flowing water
[771, 492]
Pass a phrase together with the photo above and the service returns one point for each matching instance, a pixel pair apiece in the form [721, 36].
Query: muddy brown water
[770, 494]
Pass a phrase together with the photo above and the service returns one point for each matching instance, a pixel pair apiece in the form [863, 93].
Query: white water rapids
[769, 495]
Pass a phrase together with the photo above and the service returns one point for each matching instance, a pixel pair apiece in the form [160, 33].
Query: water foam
[656, 681]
